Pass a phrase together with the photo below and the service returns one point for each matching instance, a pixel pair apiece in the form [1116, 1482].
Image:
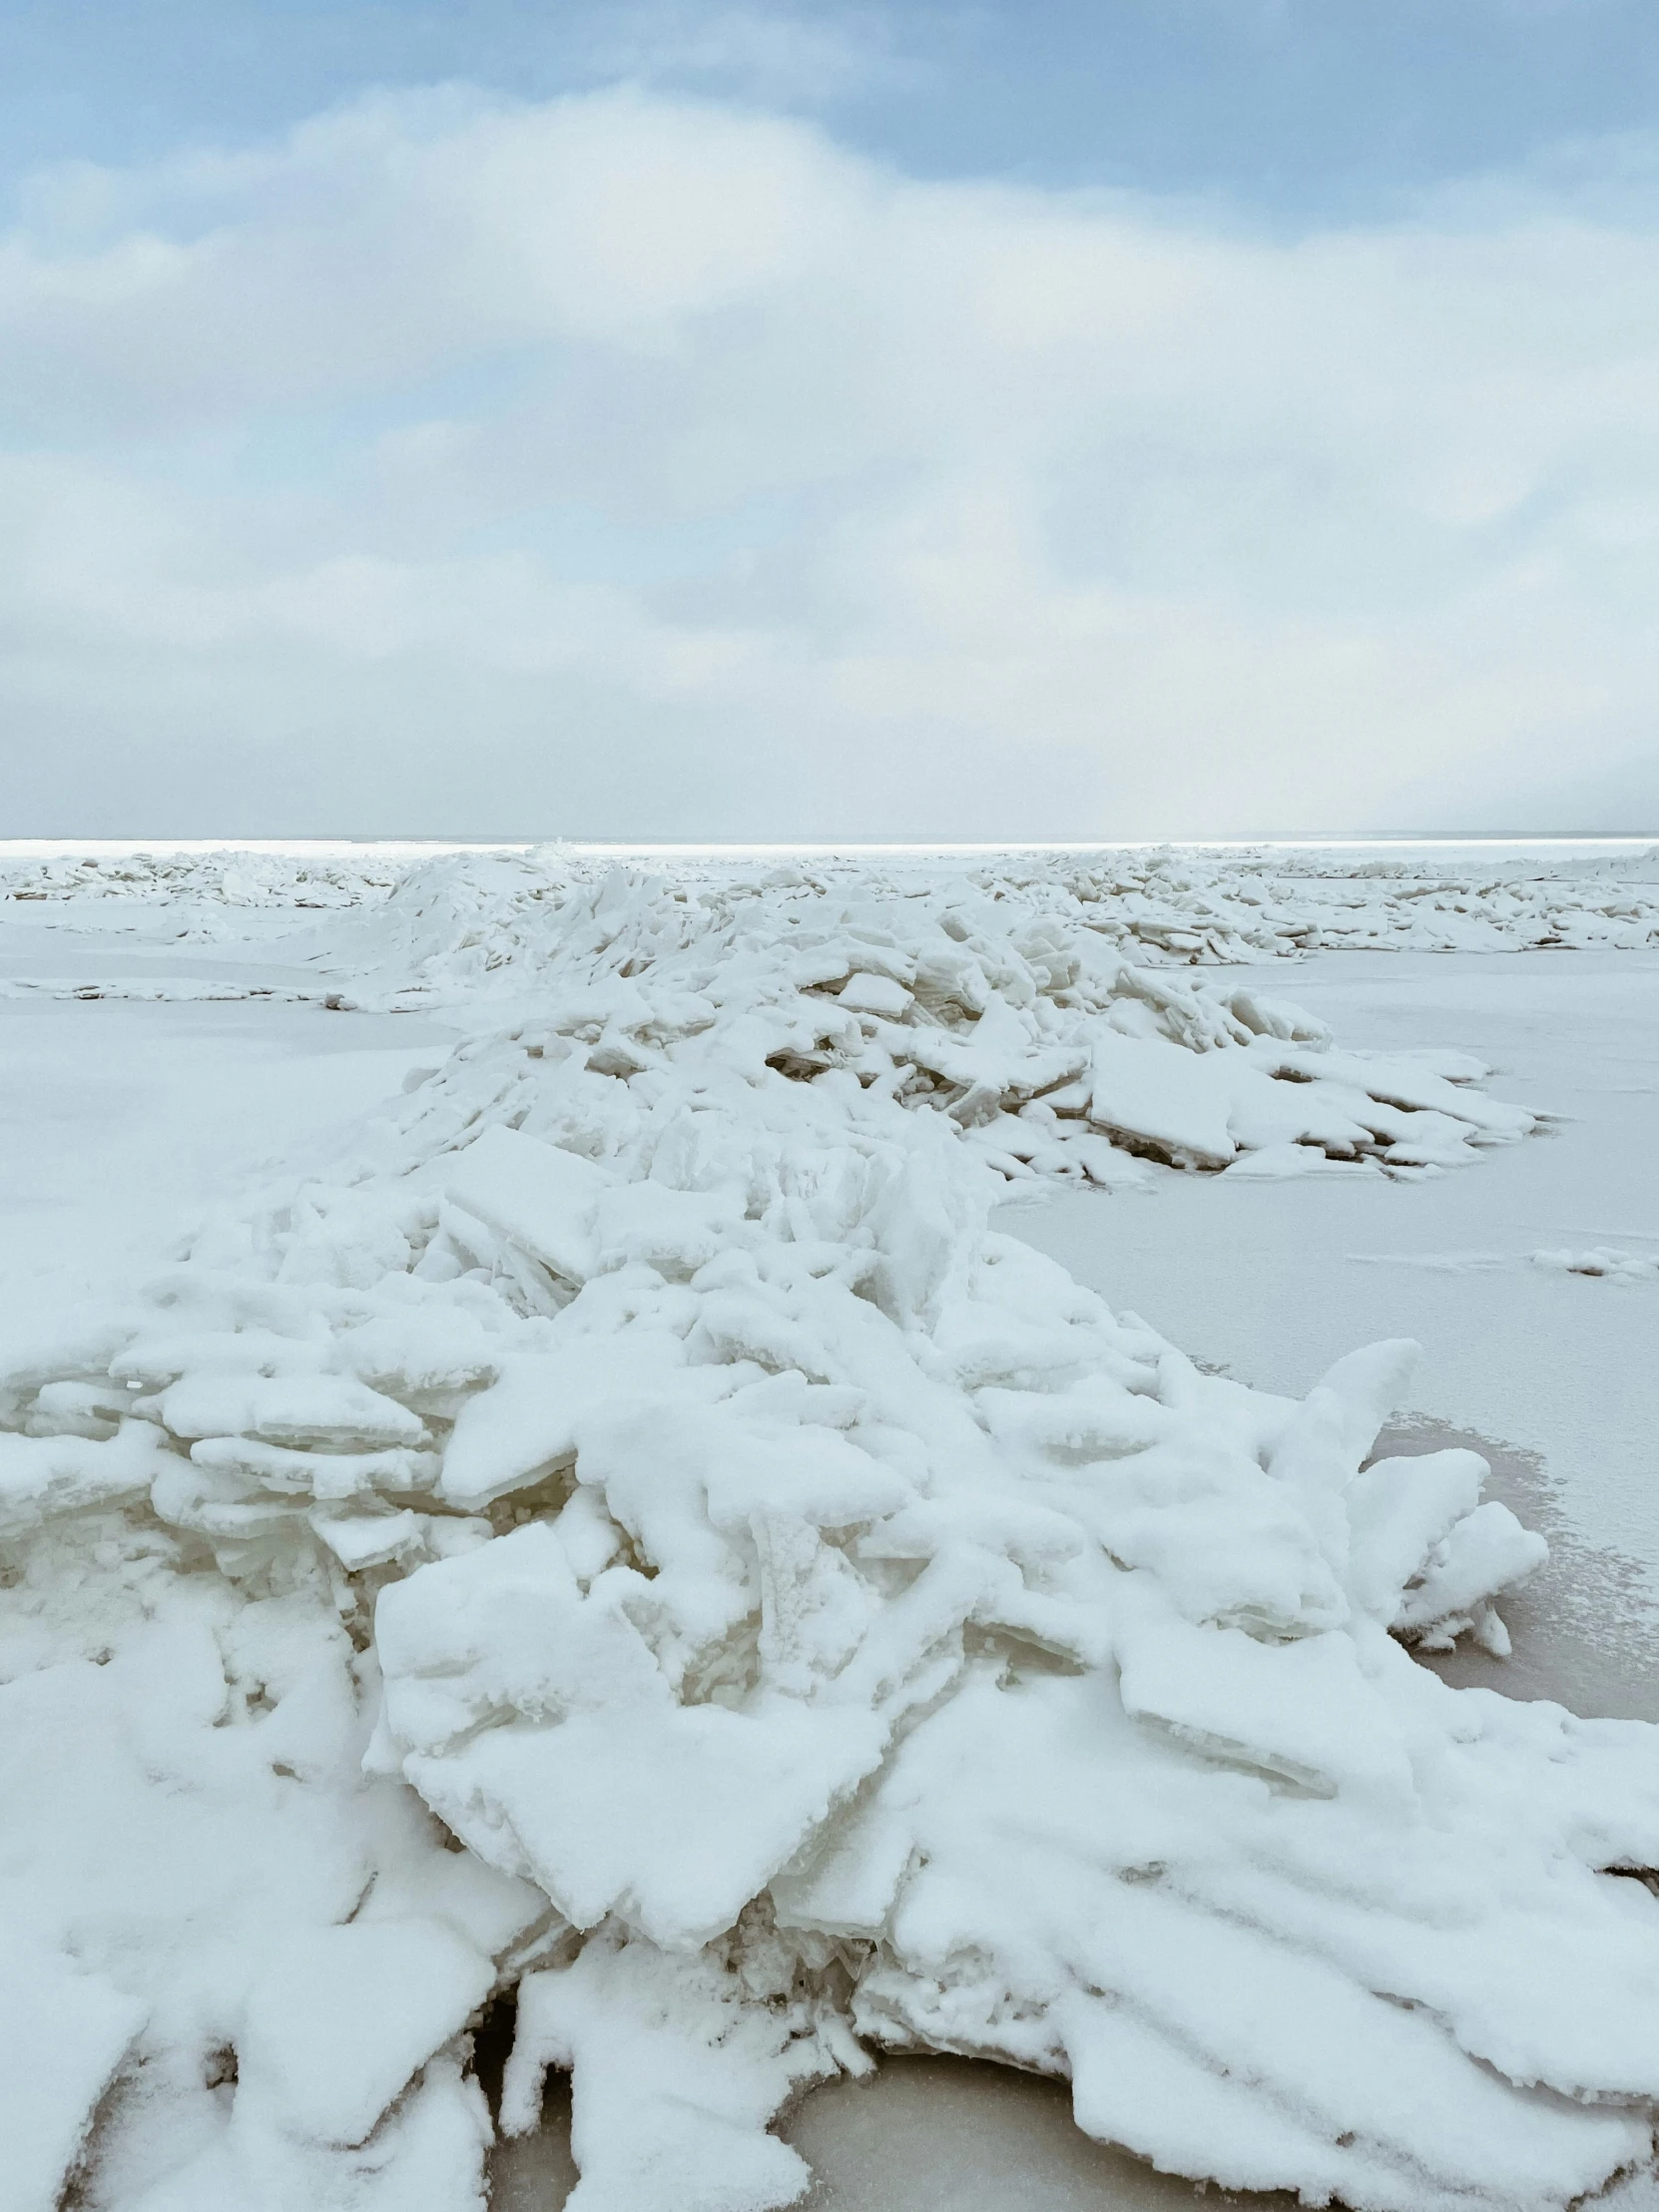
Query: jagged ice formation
[631, 1533]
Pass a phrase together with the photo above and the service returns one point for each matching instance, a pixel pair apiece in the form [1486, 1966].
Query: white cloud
[767, 52]
[626, 464]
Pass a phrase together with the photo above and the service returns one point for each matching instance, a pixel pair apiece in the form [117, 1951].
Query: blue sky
[1303, 110]
[1156, 418]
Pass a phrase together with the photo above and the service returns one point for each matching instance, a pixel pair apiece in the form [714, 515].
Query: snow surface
[623, 1527]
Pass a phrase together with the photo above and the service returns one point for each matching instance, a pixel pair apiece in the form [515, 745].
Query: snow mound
[637, 1537]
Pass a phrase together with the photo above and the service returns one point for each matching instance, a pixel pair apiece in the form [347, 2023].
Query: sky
[1147, 418]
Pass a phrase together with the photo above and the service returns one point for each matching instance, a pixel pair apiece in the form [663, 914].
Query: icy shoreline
[822, 1622]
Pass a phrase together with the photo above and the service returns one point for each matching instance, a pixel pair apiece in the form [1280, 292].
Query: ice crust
[631, 1533]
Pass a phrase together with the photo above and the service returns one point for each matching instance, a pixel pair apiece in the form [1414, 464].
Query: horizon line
[61, 847]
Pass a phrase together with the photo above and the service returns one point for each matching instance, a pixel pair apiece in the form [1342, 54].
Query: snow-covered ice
[1517, 1346]
[621, 1527]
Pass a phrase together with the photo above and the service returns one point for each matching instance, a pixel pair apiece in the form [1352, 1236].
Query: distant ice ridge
[1028, 1029]
[1174, 903]
[635, 1536]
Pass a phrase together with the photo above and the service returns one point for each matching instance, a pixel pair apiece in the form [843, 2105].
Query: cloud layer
[624, 465]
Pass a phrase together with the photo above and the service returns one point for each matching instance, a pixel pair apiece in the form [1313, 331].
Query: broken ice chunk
[336, 2027]
[1398, 1509]
[1173, 1101]
[288, 1408]
[674, 2078]
[1276, 1017]
[1301, 1711]
[323, 1474]
[875, 995]
[592, 1780]
[42, 1475]
[359, 1540]
[216, 1501]
[1487, 1553]
[676, 1232]
[536, 1195]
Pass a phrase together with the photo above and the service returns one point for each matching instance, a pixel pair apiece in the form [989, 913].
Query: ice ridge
[633, 1535]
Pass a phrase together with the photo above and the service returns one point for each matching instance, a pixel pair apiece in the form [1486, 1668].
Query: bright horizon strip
[126, 848]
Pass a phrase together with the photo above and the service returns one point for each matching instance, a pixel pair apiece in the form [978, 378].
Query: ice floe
[632, 1537]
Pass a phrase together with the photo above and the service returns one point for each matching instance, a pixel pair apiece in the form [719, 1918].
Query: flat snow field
[121, 1123]
[571, 1571]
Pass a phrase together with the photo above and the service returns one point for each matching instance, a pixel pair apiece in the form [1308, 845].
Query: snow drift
[634, 1536]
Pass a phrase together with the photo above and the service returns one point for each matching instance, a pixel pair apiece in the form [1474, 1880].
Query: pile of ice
[1028, 1029]
[634, 1537]
[1169, 904]
[233, 877]
[453, 924]
[1279, 901]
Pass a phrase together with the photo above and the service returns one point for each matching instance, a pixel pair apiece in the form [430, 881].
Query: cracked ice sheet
[1272, 1280]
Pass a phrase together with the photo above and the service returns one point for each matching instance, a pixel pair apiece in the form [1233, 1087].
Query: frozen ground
[611, 1524]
